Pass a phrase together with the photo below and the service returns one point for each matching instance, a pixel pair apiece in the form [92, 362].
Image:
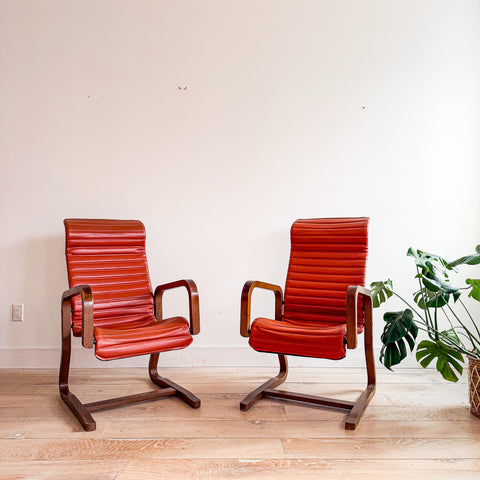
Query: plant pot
[474, 385]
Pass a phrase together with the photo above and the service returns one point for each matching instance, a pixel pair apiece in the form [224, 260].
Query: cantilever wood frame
[167, 387]
[267, 389]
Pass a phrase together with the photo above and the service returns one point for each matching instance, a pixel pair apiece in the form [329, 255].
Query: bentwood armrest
[353, 291]
[193, 303]
[87, 311]
[248, 288]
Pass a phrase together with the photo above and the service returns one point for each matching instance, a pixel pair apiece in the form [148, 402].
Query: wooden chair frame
[267, 389]
[167, 387]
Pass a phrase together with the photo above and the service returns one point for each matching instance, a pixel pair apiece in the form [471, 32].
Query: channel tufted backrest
[327, 255]
[109, 255]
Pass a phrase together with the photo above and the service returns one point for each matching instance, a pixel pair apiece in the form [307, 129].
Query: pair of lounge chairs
[112, 307]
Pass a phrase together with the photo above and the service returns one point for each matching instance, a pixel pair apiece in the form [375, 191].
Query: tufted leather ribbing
[109, 255]
[327, 255]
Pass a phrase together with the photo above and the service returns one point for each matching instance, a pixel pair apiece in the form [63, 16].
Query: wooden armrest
[193, 303]
[248, 288]
[352, 308]
[87, 311]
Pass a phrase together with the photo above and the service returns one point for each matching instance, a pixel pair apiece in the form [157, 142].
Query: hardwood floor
[417, 427]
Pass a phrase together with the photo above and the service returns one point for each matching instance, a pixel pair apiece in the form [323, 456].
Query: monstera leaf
[399, 331]
[429, 261]
[450, 337]
[381, 291]
[434, 272]
[427, 299]
[446, 357]
[475, 292]
[468, 260]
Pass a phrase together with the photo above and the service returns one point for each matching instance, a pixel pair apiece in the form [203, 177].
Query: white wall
[218, 123]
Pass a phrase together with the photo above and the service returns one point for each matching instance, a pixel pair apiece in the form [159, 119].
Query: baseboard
[194, 356]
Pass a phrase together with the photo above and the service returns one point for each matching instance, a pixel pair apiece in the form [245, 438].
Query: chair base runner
[355, 409]
[314, 399]
[120, 401]
[78, 409]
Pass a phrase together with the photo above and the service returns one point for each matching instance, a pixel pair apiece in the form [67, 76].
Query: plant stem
[449, 321]
[436, 323]
[408, 305]
[459, 348]
[428, 318]
[471, 318]
[471, 337]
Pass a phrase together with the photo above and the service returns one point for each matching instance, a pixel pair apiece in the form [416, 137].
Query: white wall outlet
[17, 312]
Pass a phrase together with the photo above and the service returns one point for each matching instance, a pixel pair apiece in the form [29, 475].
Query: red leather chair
[324, 308]
[110, 305]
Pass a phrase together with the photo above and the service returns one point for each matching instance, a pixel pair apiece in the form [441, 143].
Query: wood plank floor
[417, 427]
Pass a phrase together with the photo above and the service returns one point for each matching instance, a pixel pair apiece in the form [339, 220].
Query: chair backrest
[109, 255]
[327, 255]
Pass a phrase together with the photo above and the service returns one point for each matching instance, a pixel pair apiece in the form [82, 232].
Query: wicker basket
[474, 385]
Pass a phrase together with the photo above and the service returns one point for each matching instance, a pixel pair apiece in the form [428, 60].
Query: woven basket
[474, 385]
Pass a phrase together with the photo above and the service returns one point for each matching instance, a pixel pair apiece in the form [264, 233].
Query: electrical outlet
[17, 312]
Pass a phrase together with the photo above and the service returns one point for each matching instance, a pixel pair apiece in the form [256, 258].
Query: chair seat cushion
[308, 339]
[144, 336]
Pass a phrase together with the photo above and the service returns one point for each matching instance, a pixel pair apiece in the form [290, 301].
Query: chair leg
[188, 397]
[259, 392]
[72, 402]
[361, 404]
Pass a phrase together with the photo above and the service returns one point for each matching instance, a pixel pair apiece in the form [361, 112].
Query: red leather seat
[320, 311]
[298, 338]
[113, 305]
[141, 337]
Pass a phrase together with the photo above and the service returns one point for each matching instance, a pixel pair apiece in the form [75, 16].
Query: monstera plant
[449, 331]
